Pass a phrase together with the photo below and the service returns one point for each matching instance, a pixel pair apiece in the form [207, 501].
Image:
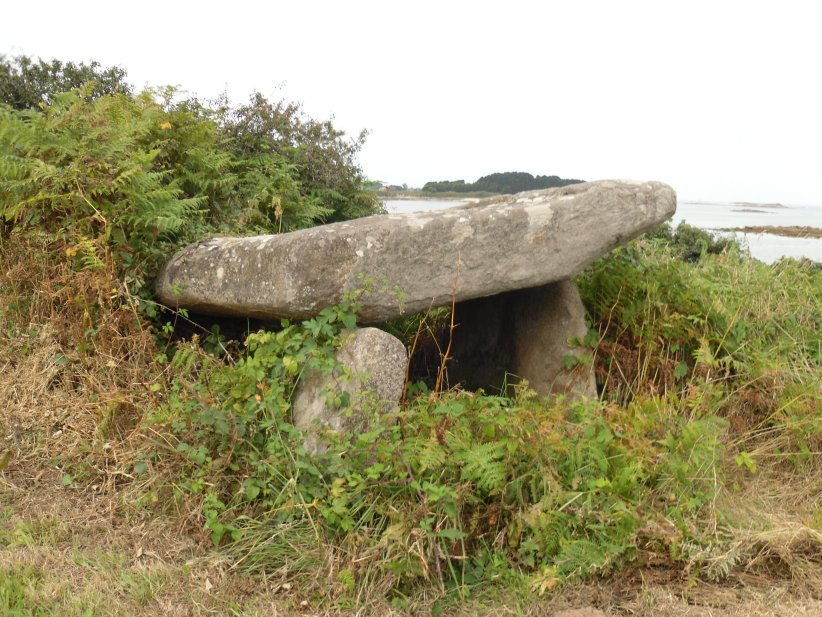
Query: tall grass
[710, 372]
[709, 365]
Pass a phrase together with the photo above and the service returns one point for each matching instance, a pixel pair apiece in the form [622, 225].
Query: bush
[432, 492]
[131, 179]
[691, 243]
[26, 83]
[95, 176]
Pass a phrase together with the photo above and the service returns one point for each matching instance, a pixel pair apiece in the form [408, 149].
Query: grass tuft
[176, 480]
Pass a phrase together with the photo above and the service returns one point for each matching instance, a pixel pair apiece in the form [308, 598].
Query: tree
[26, 83]
[323, 160]
[505, 183]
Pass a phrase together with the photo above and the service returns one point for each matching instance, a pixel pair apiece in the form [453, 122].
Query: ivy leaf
[349, 320]
[290, 365]
[252, 489]
[452, 534]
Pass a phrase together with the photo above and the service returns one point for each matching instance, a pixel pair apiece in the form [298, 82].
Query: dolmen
[504, 263]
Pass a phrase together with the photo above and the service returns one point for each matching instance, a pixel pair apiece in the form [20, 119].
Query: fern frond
[483, 464]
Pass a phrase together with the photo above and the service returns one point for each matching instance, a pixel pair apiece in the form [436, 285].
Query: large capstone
[409, 262]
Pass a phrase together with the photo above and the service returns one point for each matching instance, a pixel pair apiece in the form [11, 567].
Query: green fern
[482, 464]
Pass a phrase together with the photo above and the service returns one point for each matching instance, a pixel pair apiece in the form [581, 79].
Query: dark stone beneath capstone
[522, 335]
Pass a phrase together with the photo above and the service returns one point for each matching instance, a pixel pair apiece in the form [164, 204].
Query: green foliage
[127, 179]
[429, 491]
[505, 183]
[690, 243]
[320, 158]
[91, 174]
[26, 83]
[738, 336]
[235, 419]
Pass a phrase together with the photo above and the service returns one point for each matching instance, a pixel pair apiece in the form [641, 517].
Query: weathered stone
[522, 334]
[371, 371]
[491, 247]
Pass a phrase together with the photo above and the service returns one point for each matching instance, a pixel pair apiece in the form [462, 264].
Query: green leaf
[452, 534]
[290, 365]
[217, 531]
[349, 320]
[569, 361]
[744, 459]
[252, 489]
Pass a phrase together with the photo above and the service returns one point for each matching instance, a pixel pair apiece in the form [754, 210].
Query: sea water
[765, 247]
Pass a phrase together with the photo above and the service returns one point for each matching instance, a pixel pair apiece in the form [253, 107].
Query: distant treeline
[507, 182]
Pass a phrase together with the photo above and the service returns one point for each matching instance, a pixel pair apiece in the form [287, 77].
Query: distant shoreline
[748, 204]
[736, 204]
[791, 232]
[437, 197]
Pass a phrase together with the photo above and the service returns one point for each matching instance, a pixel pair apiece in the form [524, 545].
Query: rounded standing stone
[371, 370]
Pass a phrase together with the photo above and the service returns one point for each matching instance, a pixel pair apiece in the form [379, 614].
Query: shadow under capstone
[521, 335]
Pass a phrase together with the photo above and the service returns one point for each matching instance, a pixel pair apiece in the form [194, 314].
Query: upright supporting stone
[541, 321]
[519, 335]
[371, 371]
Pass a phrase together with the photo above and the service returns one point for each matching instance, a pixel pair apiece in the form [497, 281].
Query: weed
[709, 364]
[16, 587]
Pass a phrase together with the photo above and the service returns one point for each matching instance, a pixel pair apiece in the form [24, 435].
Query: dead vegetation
[77, 363]
[79, 372]
[75, 552]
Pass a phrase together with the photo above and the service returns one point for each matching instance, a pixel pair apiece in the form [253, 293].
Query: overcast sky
[721, 99]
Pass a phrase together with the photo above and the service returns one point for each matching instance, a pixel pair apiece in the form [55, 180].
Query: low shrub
[429, 493]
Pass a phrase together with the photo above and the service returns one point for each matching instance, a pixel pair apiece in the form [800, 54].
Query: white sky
[721, 99]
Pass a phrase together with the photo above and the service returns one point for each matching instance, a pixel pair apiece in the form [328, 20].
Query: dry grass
[76, 366]
[79, 551]
[87, 557]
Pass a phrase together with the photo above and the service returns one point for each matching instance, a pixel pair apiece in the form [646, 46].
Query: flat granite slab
[411, 261]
